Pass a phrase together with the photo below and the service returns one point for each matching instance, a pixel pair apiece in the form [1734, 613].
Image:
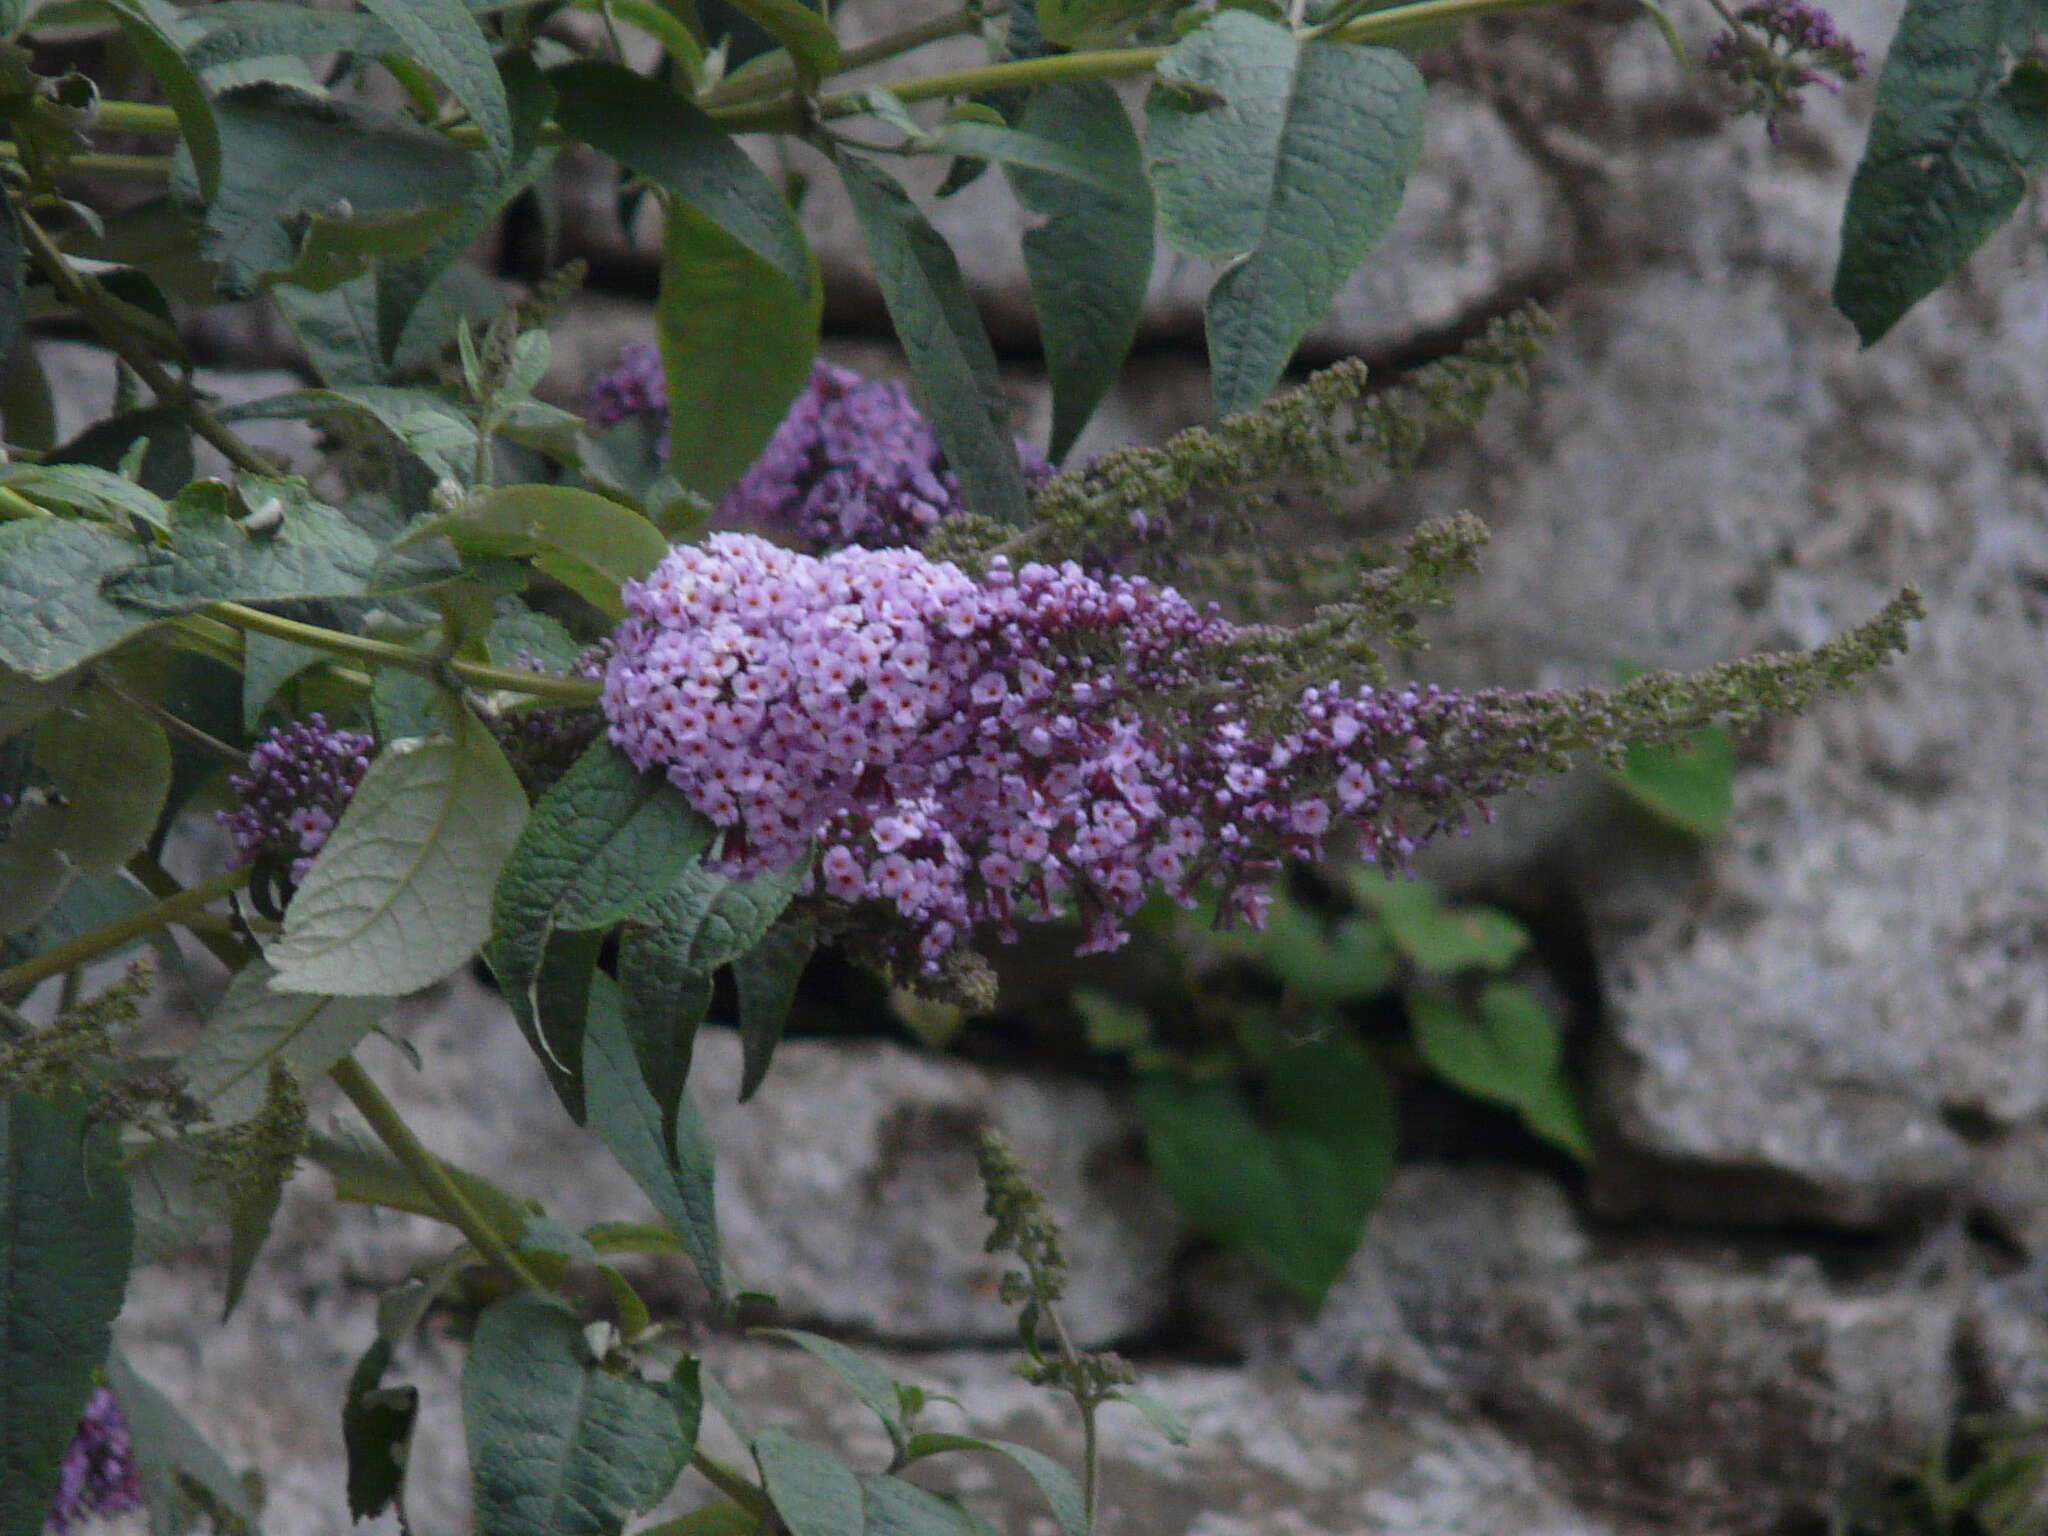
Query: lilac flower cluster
[1778, 48]
[97, 1476]
[978, 752]
[854, 461]
[300, 777]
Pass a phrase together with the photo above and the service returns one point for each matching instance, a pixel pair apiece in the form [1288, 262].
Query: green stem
[18, 979]
[734, 1485]
[675, 38]
[223, 942]
[770, 81]
[83, 295]
[14, 505]
[151, 167]
[567, 690]
[429, 1172]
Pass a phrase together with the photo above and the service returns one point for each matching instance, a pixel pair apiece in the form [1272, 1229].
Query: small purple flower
[1776, 49]
[301, 777]
[97, 1477]
[854, 461]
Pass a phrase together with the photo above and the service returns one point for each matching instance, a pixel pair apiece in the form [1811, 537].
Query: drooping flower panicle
[1041, 740]
[300, 778]
[1776, 49]
[97, 1477]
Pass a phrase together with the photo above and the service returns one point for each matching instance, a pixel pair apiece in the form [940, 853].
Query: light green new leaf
[228, 1067]
[1511, 1053]
[1961, 122]
[288, 154]
[1689, 784]
[806, 34]
[1292, 176]
[64, 1251]
[444, 38]
[590, 544]
[942, 335]
[401, 893]
[664, 139]
[1090, 258]
[159, 50]
[813, 1491]
[676, 1177]
[425, 424]
[1292, 1192]
[559, 1446]
[736, 343]
[52, 613]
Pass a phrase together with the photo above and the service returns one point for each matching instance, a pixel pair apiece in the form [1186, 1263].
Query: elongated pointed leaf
[376, 1429]
[736, 343]
[1508, 1050]
[767, 977]
[894, 1507]
[664, 139]
[663, 1004]
[65, 1237]
[160, 52]
[173, 1461]
[870, 1383]
[806, 34]
[1292, 178]
[1961, 122]
[1055, 1482]
[426, 425]
[401, 894]
[444, 37]
[623, 1113]
[591, 545]
[1091, 258]
[559, 1446]
[942, 335]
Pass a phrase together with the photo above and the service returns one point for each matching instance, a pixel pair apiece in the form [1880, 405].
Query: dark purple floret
[301, 776]
[97, 1477]
[1777, 49]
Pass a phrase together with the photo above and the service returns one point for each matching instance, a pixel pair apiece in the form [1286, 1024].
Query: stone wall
[1818, 1063]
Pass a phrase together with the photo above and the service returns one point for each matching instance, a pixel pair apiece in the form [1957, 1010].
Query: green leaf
[1690, 785]
[167, 463]
[596, 846]
[1030, 150]
[806, 34]
[365, 1174]
[13, 297]
[1961, 122]
[1286, 159]
[228, 1067]
[767, 977]
[1171, 1426]
[894, 1507]
[813, 1491]
[1090, 258]
[87, 488]
[183, 1478]
[288, 154]
[307, 549]
[443, 37]
[1293, 1193]
[711, 1520]
[267, 665]
[1439, 940]
[1511, 1053]
[662, 138]
[337, 328]
[111, 767]
[663, 1003]
[238, 31]
[736, 345]
[560, 1447]
[942, 335]
[64, 1251]
[591, 545]
[401, 893]
[337, 250]
[404, 704]
[870, 1383]
[159, 50]
[429, 428]
[376, 1428]
[1055, 1483]
[626, 1118]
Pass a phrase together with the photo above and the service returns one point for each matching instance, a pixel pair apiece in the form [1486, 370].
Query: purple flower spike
[97, 1477]
[301, 777]
[1776, 49]
[983, 752]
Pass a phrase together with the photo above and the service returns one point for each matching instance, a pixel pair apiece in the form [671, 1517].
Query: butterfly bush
[1774, 49]
[1036, 741]
[299, 779]
[854, 461]
[97, 1476]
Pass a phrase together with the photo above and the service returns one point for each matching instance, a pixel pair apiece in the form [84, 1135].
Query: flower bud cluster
[1039, 742]
[1776, 49]
[300, 778]
[633, 386]
[97, 1477]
